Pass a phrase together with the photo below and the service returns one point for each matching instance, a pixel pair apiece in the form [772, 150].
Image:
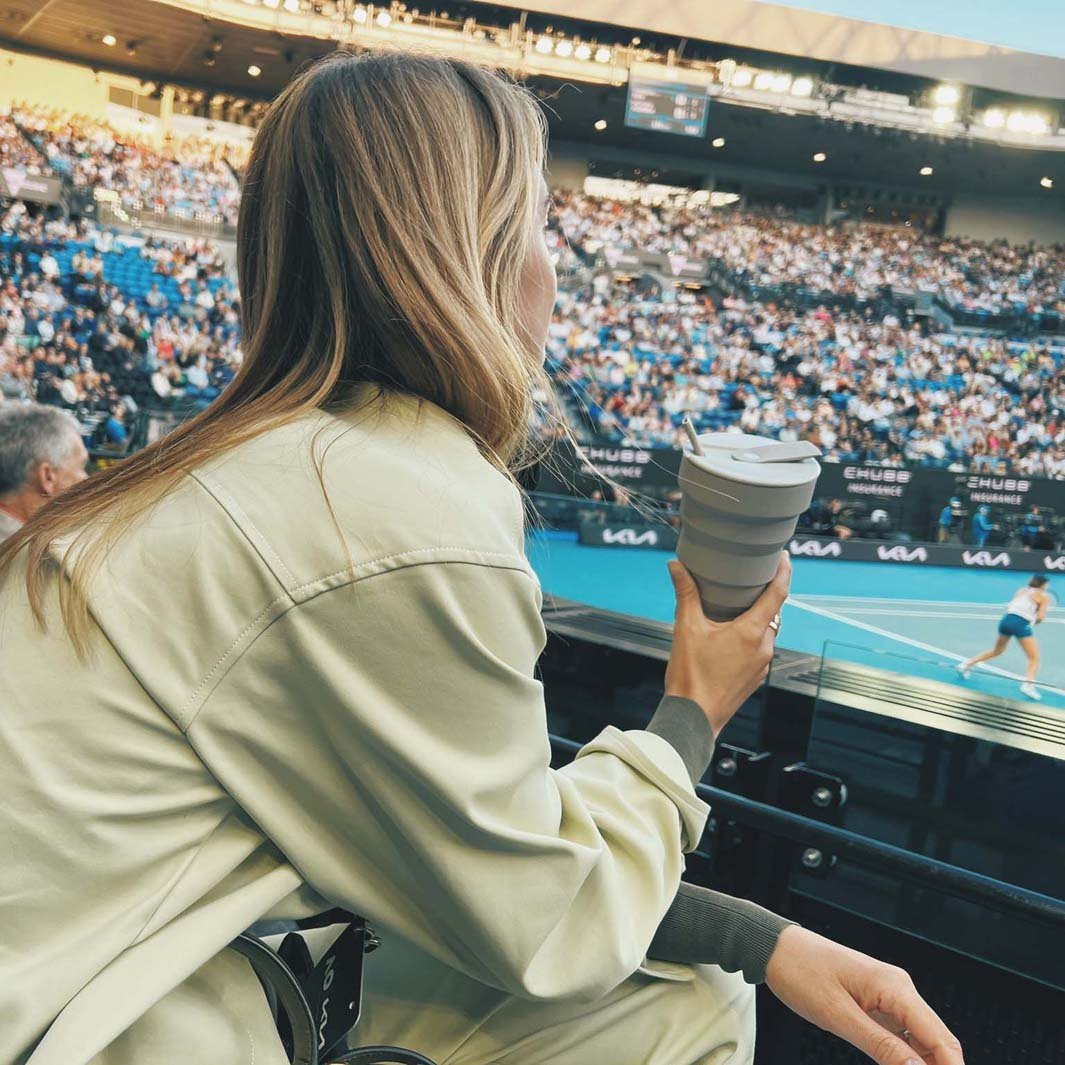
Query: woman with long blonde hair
[284, 660]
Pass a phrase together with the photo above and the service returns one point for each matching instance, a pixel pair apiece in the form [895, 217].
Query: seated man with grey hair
[41, 455]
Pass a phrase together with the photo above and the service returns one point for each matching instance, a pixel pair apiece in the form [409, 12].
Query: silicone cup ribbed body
[732, 545]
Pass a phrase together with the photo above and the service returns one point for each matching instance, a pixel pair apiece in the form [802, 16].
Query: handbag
[316, 1006]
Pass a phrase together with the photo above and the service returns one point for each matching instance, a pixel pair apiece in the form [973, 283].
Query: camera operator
[951, 518]
[1033, 529]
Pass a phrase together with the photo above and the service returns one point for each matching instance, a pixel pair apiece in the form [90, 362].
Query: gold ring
[775, 623]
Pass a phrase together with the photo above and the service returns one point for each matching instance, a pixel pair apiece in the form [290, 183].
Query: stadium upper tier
[861, 261]
[186, 178]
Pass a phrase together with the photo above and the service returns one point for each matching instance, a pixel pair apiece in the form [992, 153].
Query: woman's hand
[718, 665]
[873, 1006]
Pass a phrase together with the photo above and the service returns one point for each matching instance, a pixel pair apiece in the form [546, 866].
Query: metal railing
[873, 854]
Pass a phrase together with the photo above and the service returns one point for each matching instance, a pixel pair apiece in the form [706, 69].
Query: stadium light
[781, 82]
[564, 48]
[946, 96]
[926, 171]
[1027, 122]
[272, 3]
[994, 118]
[1047, 183]
[743, 77]
[602, 55]
[360, 15]
[583, 51]
[763, 80]
[384, 18]
[718, 142]
[291, 5]
[544, 45]
[943, 115]
[254, 71]
[802, 87]
[819, 157]
[109, 39]
[600, 124]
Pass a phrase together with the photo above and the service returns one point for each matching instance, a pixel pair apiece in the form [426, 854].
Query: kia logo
[985, 558]
[630, 537]
[899, 553]
[1054, 562]
[815, 549]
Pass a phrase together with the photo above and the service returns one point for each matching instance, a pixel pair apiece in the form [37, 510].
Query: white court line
[908, 640]
[937, 614]
[920, 602]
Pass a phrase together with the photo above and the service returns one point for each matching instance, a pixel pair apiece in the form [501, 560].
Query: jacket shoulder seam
[248, 529]
[479, 558]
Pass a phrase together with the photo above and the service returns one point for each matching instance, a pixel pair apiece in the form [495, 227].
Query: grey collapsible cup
[741, 500]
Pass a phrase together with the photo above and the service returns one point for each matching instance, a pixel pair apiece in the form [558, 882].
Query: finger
[770, 602]
[686, 591]
[872, 1039]
[935, 1040]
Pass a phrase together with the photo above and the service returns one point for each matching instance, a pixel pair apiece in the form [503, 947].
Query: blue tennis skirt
[1015, 625]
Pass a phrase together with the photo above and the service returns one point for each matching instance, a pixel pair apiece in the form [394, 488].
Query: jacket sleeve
[390, 737]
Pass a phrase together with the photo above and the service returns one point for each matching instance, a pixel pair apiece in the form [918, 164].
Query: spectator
[156, 298]
[115, 428]
[41, 455]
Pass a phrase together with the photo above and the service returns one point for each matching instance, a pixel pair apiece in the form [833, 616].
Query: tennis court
[919, 620]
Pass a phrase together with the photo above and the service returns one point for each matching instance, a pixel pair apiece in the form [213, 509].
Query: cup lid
[757, 460]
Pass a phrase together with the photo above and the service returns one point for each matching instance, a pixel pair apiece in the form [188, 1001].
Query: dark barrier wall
[637, 469]
[664, 538]
[16, 184]
[927, 554]
[633, 534]
[913, 496]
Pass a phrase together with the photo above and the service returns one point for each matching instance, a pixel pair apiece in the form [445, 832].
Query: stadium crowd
[862, 388]
[80, 327]
[72, 338]
[17, 151]
[859, 261]
[188, 177]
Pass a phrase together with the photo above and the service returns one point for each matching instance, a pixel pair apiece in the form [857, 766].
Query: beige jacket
[290, 707]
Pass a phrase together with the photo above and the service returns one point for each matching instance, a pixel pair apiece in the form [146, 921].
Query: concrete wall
[567, 170]
[30, 79]
[1040, 219]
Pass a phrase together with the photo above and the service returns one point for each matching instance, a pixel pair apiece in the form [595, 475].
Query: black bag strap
[274, 974]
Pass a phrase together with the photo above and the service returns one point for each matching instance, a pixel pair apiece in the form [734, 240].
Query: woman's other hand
[871, 1005]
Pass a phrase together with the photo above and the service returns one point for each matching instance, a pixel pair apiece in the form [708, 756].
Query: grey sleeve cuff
[704, 927]
[682, 724]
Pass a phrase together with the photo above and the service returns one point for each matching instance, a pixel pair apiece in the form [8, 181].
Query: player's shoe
[963, 671]
[1030, 690]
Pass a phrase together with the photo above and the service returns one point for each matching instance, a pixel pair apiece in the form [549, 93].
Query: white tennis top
[1023, 604]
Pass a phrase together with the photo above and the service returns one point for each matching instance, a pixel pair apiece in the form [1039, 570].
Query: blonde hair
[387, 210]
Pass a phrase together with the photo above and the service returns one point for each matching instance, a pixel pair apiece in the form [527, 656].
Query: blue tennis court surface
[918, 620]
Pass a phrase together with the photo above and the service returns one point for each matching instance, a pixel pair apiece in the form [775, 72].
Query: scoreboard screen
[667, 106]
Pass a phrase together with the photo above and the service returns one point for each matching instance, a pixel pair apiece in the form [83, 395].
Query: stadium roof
[833, 38]
[174, 42]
